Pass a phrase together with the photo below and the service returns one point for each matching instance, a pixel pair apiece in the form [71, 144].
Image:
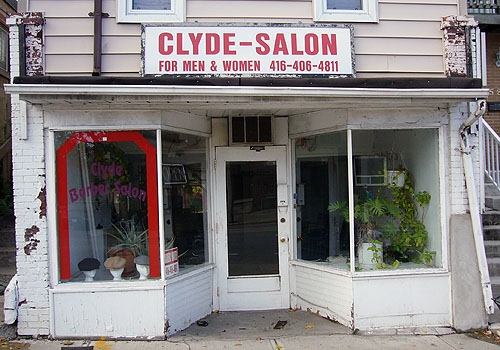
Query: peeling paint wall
[31, 37]
[457, 54]
[28, 153]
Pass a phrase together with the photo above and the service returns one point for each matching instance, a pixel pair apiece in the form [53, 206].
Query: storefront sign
[248, 51]
[171, 262]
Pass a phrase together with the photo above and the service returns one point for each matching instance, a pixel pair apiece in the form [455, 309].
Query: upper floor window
[345, 10]
[148, 11]
[4, 50]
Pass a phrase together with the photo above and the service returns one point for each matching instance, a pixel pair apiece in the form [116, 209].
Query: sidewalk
[337, 341]
[256, 331]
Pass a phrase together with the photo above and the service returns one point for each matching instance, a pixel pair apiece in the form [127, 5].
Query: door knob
[282, 240]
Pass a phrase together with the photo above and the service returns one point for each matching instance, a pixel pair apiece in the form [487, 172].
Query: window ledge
[127, 15]
[190, 272]
[109, 286]
[321, 267]
[369, 14]
[370, 274]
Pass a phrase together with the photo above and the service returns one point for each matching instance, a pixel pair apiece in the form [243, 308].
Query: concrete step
[491, 217]
[492, 202]
[495, 286]
[492, 249]
[7, 257]
[494, 267]
[491, 233]
[490, 189]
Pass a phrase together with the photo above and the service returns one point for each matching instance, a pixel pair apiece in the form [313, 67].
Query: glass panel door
[252, 226]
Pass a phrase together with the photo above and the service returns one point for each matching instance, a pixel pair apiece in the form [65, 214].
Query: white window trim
[368, 14]
[125, 13]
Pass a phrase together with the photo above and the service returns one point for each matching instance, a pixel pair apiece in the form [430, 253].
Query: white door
[252, 234]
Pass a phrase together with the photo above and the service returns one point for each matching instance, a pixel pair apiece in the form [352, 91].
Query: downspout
[477, 228]
[98, 15]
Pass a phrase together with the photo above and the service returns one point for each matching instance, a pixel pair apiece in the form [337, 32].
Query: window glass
[396, 191]
[107, 205]
[151, 4]
[4, 50]
[185, 197]
[343, 4]
[321, 173]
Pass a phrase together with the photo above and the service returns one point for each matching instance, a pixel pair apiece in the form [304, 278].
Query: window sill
[324, 266]
[103, 286]
[189, 272]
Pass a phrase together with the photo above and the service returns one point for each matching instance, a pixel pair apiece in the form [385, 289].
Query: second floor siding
[407, 41]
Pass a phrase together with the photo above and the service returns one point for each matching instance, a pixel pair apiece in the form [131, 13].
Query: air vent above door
[251, 130]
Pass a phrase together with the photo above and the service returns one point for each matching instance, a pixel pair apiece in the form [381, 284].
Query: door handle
[282, 239]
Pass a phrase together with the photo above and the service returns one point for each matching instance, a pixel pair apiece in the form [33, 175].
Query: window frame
[126, 14]
[369, 13]
[443, 211]
[62, 201]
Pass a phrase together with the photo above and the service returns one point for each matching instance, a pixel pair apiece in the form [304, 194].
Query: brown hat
[114, 263]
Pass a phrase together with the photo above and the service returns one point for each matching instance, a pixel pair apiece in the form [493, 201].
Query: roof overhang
[200, 94]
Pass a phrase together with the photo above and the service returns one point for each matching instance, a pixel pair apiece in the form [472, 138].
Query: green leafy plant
[130, 235]
[407, 233]
[368, 211]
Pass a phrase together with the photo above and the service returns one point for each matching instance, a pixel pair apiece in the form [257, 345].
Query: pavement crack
[440, 337]
[180, 342]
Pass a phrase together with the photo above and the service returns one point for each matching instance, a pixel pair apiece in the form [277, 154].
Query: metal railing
[491, 153]
[483, 6]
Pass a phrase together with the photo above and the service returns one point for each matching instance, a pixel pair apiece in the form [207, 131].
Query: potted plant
[368, 212]
[132, 241]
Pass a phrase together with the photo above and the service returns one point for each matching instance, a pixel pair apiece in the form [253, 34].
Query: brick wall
[459, 203]
[29, 205]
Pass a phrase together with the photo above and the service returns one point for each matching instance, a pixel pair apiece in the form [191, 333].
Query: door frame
[252, 292]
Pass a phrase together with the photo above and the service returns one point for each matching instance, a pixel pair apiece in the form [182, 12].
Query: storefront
[170, 198]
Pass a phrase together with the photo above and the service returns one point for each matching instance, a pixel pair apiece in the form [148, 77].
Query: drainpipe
[477, 228]
[98, 15]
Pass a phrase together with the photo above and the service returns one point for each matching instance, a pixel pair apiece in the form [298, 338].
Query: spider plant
[130, 235]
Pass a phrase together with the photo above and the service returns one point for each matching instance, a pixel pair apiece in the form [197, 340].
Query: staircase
[491, 233]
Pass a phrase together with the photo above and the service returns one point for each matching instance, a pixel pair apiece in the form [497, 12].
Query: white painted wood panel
[126, 63]
[334, 119]
[60, 26]
[396, 29]
[402, 301]
[108, 312]
[248, 8]
[415, 12]
[184, 121]
[85, 45]
[73, 8]
[321, 291]
[188, 299]
[396, 63]
[399, 46]
[61, 118]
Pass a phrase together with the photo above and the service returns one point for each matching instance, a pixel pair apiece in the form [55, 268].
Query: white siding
[402, 301]
[406, 41]
[321, 291]
[109, 312]
[189, 298]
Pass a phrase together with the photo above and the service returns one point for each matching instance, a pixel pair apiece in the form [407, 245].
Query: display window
[396, 202]
[184, 175]
[107, 205]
